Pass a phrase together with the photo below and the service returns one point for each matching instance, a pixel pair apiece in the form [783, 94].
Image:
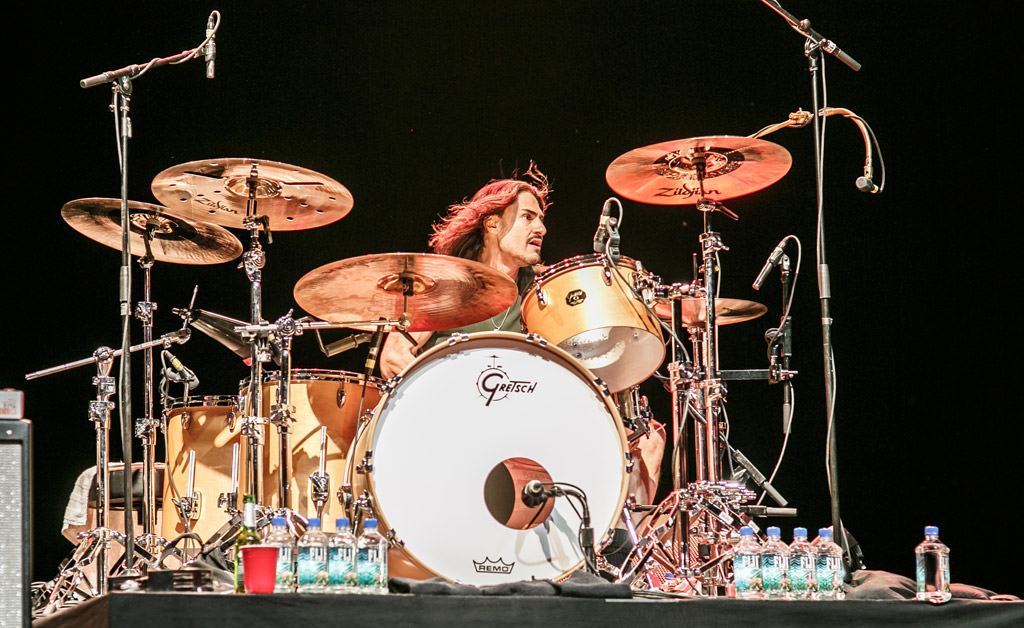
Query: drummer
[502, 226]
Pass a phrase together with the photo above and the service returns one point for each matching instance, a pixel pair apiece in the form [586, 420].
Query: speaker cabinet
[15, 523]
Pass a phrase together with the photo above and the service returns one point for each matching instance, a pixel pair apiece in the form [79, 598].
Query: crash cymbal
[442, 292]
[664, 174]
[217, 191]
[693, 310]
[175, 238]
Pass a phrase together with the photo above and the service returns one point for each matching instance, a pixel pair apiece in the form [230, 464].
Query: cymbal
[443, 292]
[693, 310]
[176, 239]
[217, 191]
[664, 174]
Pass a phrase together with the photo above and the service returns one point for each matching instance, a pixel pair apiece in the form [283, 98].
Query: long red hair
[460, 232]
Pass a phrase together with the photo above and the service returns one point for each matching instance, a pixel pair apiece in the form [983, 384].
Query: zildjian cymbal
[175, 239]
[693, 310]
[436, 291]
[219, 191]
[667, 173]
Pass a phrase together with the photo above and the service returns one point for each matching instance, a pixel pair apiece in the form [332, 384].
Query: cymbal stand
[253, 262]
[146, 427]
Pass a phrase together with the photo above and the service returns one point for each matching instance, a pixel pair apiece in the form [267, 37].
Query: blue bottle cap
[931, 530]
[746, 531]
[313, 523]
[370, 523]
[801, 531]
[774, 531]
[278, 521]
[825, 532]
[341, 522]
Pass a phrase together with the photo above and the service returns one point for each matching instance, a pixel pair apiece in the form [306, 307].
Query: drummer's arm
[398, 352]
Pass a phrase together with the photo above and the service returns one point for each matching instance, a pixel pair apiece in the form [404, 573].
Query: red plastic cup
[260, 563]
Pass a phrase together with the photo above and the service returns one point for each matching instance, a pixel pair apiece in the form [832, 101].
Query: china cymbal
[665, 174]
[175, 239]
[217, 191]
[693, 312]
[438, 291]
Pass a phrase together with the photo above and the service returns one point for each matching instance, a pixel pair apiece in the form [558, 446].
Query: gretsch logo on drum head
[493, 566]
[494, 384]
[575, 297]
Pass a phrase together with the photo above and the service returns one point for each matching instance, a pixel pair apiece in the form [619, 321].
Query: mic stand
[814, 43]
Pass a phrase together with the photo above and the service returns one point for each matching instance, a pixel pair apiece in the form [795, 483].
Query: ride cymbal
[175, 239]
[218, 191]
[693, 310]
[667, 173]
[437, 291]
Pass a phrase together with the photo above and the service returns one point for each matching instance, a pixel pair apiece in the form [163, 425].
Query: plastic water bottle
[829, 573]
[281, 538]
[932, 568]
[372, 559]
[774, 565]
[803, 561]
[341, 556]
[746, 565]
[311, 559]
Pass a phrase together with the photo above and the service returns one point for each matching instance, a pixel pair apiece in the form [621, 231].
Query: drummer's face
[521, 231]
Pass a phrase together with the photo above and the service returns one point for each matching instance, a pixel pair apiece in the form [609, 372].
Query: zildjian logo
[494, 384]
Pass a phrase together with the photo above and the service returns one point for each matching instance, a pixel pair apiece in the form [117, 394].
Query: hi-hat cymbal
[437, 291]
[175, 239]
[218, 190]
[665, 173]
[693, 310]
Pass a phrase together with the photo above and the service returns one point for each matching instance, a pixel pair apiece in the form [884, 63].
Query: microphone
[351, 342]
[210, 49]
[601, 235]
[534, 494]
[773, 261]
[865, 184]
[180, 372]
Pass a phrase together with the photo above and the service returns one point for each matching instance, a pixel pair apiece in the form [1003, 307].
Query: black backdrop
[412, 106]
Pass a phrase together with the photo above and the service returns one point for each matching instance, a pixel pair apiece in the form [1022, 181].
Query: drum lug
[456, 338]
[603, 386]
[186, 419]
[389, 386]
[537, 338]
[394, 539]
[629, 462]
[366, 464]
[607, 272]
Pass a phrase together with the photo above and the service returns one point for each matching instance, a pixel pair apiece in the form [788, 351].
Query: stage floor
[182, 610]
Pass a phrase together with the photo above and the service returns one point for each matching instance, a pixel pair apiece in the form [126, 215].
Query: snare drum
[319, 397]
[209, 427]
[451, 446]
[588, 309]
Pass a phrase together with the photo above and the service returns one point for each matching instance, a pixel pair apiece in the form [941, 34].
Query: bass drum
[463, 429]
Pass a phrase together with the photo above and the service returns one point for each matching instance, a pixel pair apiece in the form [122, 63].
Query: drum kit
[446, 453]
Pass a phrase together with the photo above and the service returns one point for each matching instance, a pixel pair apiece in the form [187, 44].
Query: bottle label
[285, 578]
[801, 574]
[773, 573]
[829, 575]
[747, 573]
[339, 566]
[312, 566]
[370, 568]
